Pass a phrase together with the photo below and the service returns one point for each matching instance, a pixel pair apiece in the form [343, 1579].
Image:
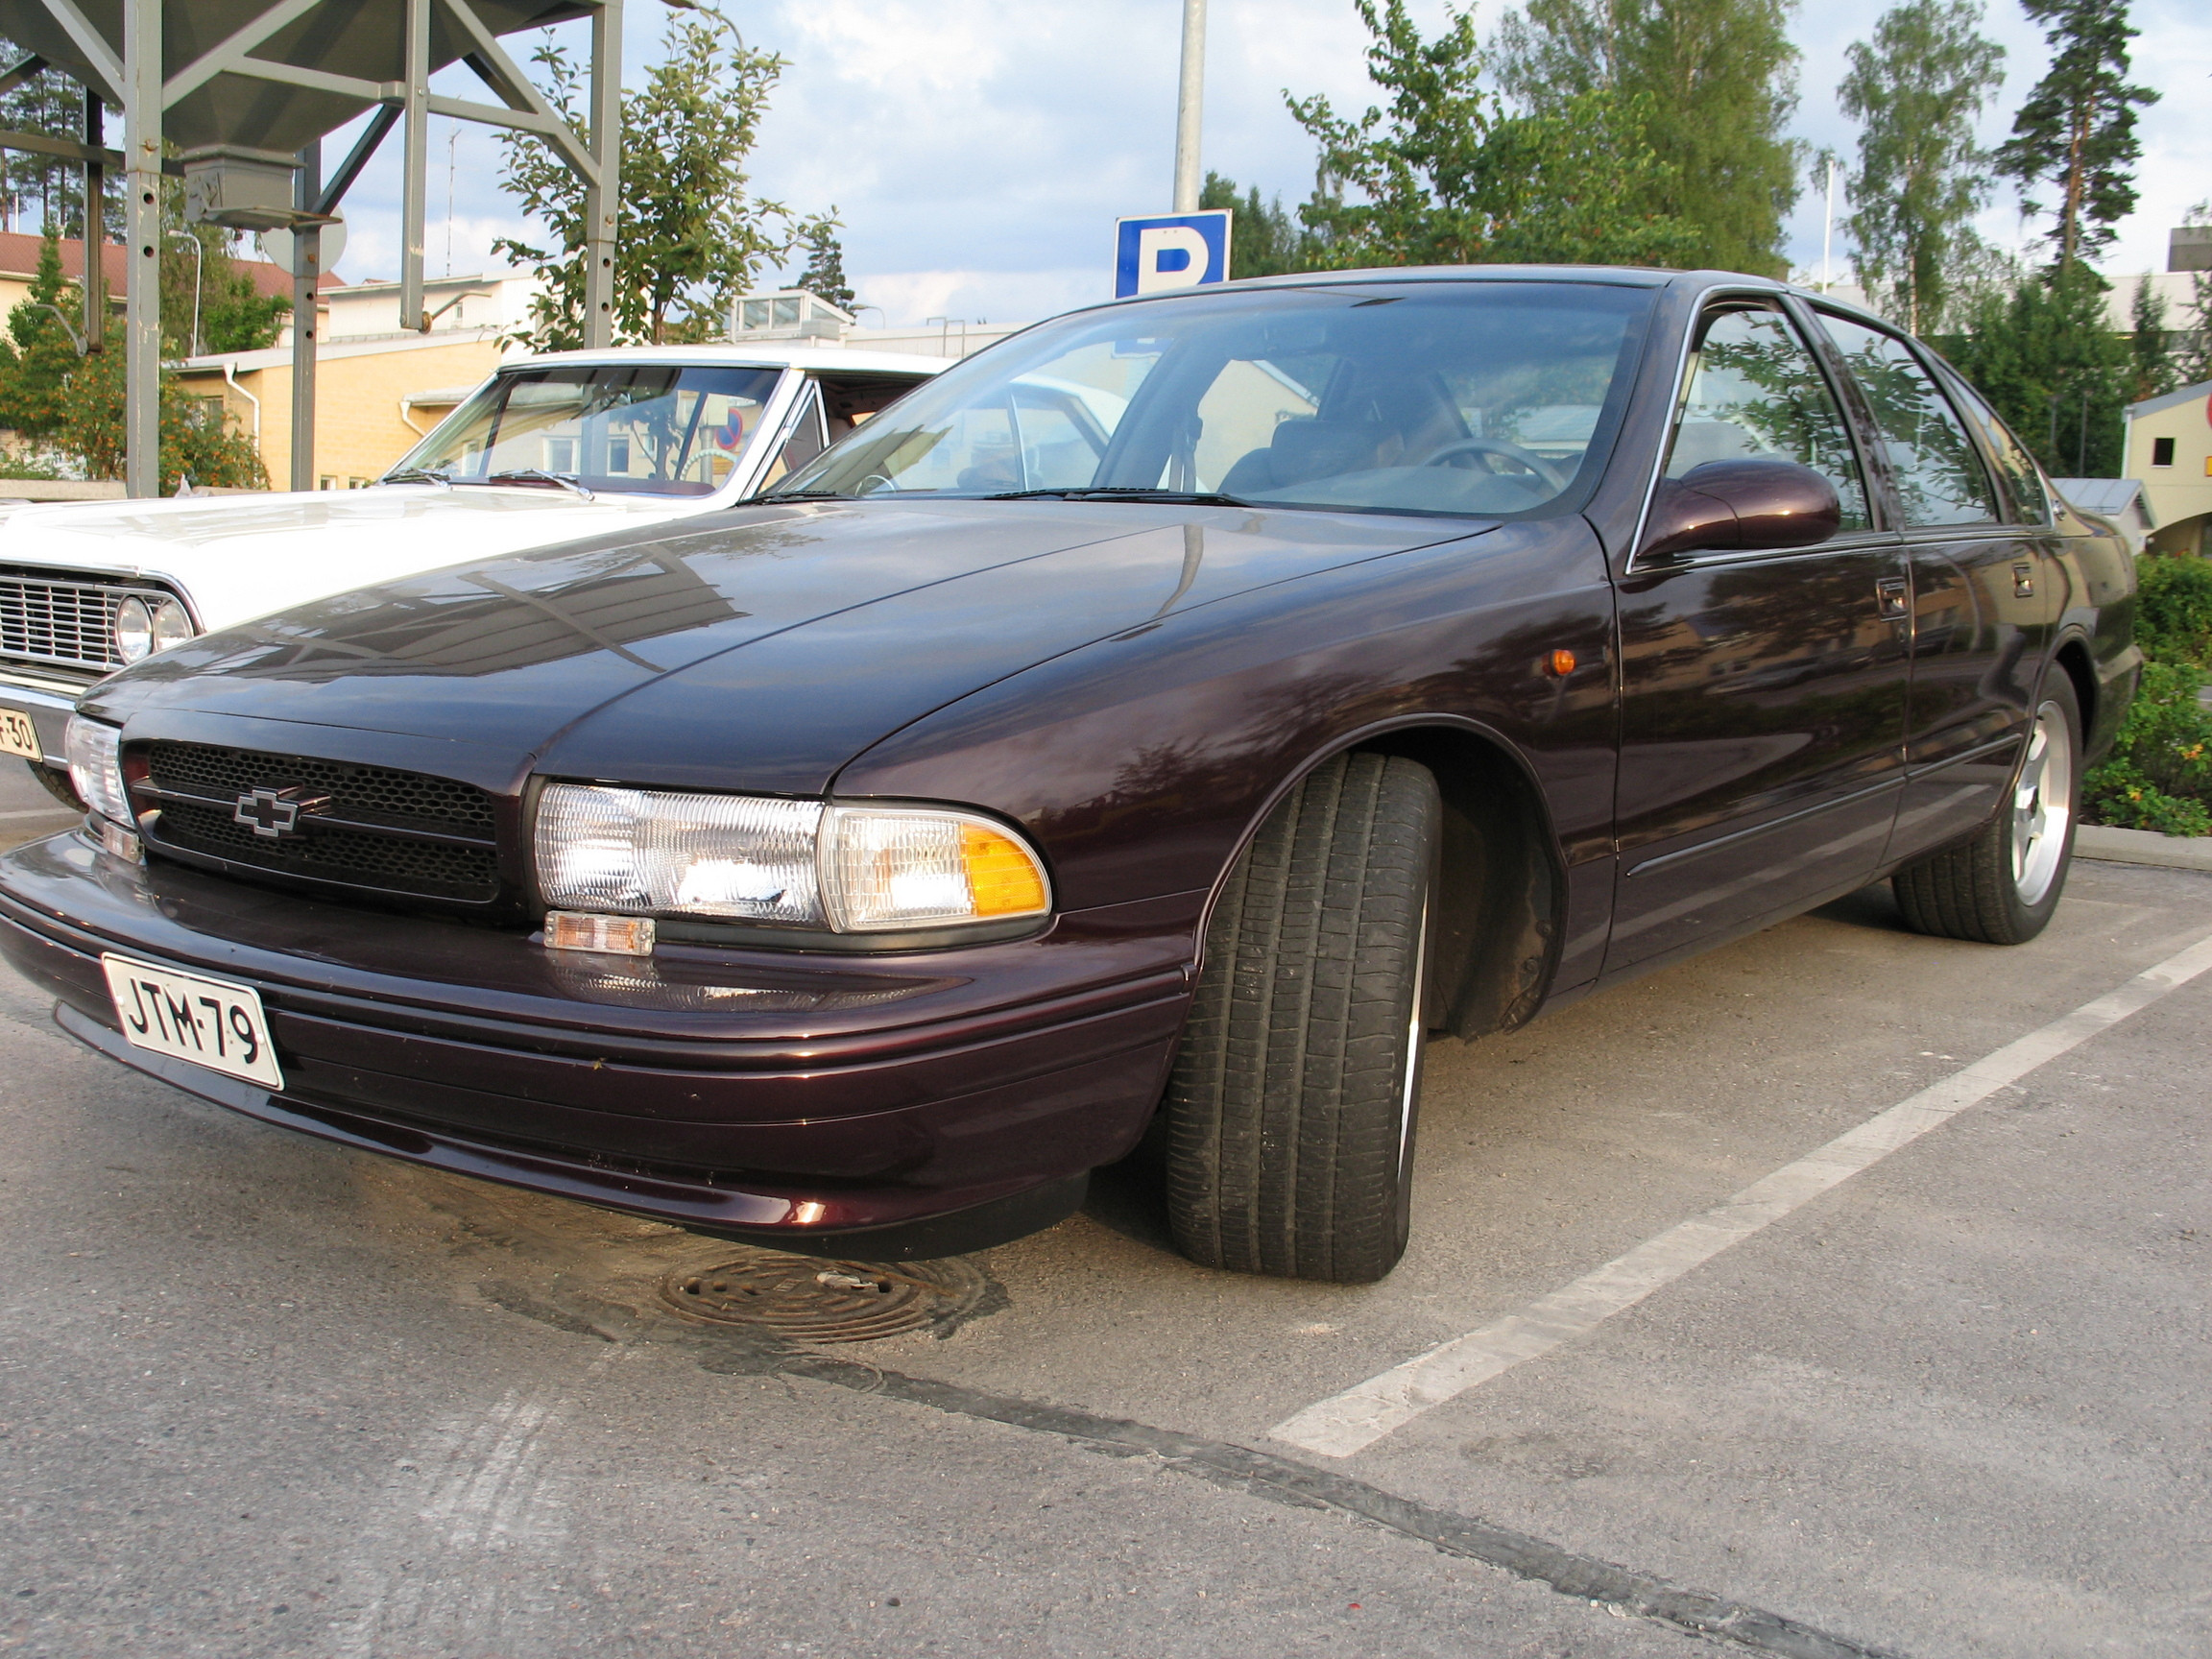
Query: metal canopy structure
[246, 90]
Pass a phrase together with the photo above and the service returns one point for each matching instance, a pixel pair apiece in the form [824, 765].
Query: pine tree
[825, 274]
[2046, 356]
[1915, 89]
[1718, 79]
[2076, 129]
[1263, 239]
[2149, 342]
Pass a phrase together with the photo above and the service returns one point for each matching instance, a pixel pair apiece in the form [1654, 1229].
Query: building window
[329, 482]
[2161, 451]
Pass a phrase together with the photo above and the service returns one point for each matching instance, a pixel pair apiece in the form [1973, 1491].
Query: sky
[978, 151]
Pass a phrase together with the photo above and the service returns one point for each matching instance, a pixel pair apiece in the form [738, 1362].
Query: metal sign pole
[142, 244]
[1190, 97]
[307, 285]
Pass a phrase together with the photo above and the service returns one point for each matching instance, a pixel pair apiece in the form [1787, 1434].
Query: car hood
[754, 649]
[241, 555]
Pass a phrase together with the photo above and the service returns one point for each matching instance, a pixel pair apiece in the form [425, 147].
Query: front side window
[1939, 478]
[661, 429]
[1755, 393]
[1456, 397]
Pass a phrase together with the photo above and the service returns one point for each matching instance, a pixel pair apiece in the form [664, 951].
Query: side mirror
[1740, 506]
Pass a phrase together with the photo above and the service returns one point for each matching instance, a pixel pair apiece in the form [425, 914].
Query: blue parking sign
[1154, 256]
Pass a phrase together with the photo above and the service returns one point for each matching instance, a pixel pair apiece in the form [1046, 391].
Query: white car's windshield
[651, 428]
[1427, 396]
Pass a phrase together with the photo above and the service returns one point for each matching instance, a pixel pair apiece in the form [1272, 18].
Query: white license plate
[18, 736]
[207, 1021]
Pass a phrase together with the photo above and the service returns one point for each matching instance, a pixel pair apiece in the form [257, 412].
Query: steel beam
[105, 65]
[366, 146]
[21, 71]
[96, 165]
[68, 148]
[603, 194]
[306, 317]
[226, 56]
[142, 241]
[415, 180]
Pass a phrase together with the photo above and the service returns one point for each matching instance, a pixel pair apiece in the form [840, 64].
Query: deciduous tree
[1444, 175]
[2076, 133]
[71, 407]
[689, 236]
[1716, 82]
[1915, 89]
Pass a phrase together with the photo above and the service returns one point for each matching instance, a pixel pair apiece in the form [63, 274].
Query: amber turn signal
[1562, 664]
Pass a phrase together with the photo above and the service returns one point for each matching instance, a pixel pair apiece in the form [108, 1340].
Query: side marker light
[611, 935]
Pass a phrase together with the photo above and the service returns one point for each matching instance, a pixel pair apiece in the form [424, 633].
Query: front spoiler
[760, 1216]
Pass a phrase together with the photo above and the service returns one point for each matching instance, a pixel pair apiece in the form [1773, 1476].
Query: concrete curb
[2143, 847]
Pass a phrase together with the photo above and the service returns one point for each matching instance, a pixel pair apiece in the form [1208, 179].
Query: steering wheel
[1491, 447]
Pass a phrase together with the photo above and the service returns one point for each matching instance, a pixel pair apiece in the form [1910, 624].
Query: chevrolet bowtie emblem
[275, 813]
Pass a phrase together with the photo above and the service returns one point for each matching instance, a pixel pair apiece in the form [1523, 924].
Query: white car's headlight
[96, 768]
[852, 869]
[146, 625]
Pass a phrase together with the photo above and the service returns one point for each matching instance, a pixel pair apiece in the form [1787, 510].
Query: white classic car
[551, 448]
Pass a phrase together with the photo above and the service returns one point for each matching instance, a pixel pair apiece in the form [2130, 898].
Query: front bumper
[895, 1106]
[47, 700]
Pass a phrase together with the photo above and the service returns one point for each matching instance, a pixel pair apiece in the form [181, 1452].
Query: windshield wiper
[415, 476]
[1123, 492]
[804, 495]
[539, 475]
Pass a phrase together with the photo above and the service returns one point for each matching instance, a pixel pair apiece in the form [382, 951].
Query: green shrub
[2159, 772]
[2174, 608]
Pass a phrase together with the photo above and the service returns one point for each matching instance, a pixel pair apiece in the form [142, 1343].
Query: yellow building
[375, 397]
[2169, 447]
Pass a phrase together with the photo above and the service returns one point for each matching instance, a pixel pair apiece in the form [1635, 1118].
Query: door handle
[1890, 596]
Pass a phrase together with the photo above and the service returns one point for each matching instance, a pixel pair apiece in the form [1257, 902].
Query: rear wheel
[2001, 887]
[1290, 1112]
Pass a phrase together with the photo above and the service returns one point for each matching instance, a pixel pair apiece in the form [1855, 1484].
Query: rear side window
[1940, 479]
[2032, 506]
[1755, 393]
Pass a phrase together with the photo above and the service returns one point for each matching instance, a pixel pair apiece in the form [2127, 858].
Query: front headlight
[851, 869]
[146, 625]
[96, 768]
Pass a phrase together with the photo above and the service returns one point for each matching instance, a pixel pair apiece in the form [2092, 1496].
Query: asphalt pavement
[261, 1395]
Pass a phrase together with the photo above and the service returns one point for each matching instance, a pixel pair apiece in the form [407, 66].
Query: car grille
[372, 827]
[71, 624]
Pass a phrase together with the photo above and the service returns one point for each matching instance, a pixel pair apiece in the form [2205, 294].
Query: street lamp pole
[1190, 98]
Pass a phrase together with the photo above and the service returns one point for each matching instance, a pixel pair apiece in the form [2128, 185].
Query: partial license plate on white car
[211, 1022]
[18, 736]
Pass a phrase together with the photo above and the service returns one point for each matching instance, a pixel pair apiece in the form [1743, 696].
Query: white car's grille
[68, 623]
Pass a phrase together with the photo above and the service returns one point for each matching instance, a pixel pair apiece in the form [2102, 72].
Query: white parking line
[56, 810]
[1355, 1419]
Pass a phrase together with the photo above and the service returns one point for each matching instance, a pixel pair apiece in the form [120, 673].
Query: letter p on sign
[1179, 250]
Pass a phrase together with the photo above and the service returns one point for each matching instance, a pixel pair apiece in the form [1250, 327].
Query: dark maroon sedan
[1158, 723]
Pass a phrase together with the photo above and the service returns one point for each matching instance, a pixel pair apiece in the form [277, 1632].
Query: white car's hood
[238, 556]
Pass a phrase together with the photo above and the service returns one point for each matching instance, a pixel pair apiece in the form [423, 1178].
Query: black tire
[56, 784]
[1291, 1110]
[2002, 886]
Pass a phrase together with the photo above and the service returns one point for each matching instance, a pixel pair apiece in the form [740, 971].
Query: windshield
[658, 428]
[1458, 397]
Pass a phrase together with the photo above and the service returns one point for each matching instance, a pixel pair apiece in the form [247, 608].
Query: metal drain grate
[815, 1300]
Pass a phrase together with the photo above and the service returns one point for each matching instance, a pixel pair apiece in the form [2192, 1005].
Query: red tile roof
[20, 255]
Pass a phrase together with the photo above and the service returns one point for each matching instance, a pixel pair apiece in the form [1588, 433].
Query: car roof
[1611, 276]
[766, 355]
